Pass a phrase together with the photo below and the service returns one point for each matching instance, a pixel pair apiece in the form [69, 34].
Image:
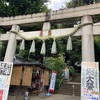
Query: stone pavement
[43, 97]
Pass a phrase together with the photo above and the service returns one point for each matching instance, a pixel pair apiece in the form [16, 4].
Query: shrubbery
[71, 71]
[56, 64]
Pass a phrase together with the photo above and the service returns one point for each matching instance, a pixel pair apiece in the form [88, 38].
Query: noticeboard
[46, 78]
[27, 76]
[90, 81]
[16, 75]
[5, 77]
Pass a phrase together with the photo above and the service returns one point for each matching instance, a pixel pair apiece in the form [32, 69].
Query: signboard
[90, 81]
[27, 76]
[46, 78]
[5, 77]
[66, 76]
[16, 75]
[52, 82]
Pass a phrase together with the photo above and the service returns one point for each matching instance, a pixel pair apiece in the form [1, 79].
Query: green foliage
[2, 31]
[71, 71]
[2, 50]
[23, 53]
[75, 54]
[3, 45]
[3, 8]
[97, 48]
[97, 40]
[37, 56]
[56, 64]
[21, 7]
[76, 3]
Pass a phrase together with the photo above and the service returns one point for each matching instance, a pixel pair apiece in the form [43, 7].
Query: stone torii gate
[86, 30]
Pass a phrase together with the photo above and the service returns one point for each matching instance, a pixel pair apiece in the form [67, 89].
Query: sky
[57, 4]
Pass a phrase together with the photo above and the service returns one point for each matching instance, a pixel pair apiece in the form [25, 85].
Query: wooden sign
[46, 78]
[42, 76]
[27, 76]
[16, 75]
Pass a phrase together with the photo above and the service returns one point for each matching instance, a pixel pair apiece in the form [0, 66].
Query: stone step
[67, 93]
[70, 94]
[76, 78]
[67, 88]
[70, 91]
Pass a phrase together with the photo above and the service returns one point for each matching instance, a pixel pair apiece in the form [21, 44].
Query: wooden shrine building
[29, 76]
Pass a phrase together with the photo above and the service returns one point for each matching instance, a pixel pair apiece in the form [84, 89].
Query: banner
[52, 82]
[5, 77]
[66, 76]
[90, 81]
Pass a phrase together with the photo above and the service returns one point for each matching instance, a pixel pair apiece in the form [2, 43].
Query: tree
[3, 7]
[56, 64]
[76, 3]
[21, 7]
[97, 48]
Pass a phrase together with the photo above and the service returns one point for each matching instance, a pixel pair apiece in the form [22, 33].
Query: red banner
[52, 82]
[1, 94]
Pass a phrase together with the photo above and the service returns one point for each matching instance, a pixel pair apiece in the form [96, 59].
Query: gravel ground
[43, 97]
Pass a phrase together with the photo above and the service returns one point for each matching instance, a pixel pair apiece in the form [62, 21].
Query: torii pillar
[87, 40]
[12, 43]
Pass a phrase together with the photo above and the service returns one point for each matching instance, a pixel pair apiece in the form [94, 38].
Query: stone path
[43, 97]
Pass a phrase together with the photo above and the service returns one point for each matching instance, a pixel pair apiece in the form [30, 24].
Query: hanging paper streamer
[32, 49]
[22, 47]
[54, 49]
[69, 44]
[43, 49]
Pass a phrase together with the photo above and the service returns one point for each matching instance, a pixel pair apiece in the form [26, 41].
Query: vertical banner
[66, 76]
[5, 77]
[52, 82]
[90, 81]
